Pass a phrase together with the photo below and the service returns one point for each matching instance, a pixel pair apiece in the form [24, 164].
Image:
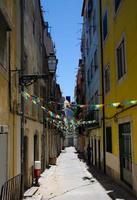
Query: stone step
[35, 197]
[30, 192]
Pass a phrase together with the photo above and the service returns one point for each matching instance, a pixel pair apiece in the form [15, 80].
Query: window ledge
[105, 40]
[122, 79]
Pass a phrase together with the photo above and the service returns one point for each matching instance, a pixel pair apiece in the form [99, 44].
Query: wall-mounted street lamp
[28, 79]
[52, 63]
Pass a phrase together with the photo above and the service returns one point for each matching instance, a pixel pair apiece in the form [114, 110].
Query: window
[3, 47]
[90, 7]
[109, 139]
[34, 24]
[107, 79]
[25, 4]
[105, 25]
[87, 46]
[96, 111]
[90, 34]
[96, 97]
[95, 60]
[91, 109]
[91, 70]
[88, 77]
[25, 60]
[33, 27]
[121, 59]
[117, 3]
[94, 22]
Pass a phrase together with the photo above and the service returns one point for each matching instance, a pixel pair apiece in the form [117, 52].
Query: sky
[65, 21]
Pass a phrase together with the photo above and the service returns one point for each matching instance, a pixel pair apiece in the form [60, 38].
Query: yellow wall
[11, 11]
[123, 23]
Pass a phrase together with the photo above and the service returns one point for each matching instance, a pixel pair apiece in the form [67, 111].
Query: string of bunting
[127, 102]
[53, 117]
[36, 100]
[62, 122]
[95, 106]
[113, 104]
[57, 120]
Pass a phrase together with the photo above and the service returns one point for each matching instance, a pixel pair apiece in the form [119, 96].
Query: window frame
[116, 9]
[91, 71]
[94, 21]
[105, 69]
[105, 13]
[90, 8]
[88, 77]
[5, 46]
[109, 144]
[95, 60]
[123, 69]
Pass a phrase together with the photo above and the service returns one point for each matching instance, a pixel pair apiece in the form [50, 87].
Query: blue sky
[64, 17]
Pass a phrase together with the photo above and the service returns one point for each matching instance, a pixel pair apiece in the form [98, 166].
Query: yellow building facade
[119, 22]
[9, 60]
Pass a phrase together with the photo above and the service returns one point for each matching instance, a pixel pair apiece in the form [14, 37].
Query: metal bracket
[31, 78]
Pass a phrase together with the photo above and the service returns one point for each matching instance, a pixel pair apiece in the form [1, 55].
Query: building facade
[119, 22]
[92, 62]
[80, 91]
[25, 134]
[109, 56]
[9, 62]
[32, 21]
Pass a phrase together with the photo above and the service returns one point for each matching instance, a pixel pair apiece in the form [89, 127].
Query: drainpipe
[22, 99]
[9, 88]
[103, 98]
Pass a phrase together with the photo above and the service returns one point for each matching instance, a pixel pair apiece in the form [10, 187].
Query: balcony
[93, 115]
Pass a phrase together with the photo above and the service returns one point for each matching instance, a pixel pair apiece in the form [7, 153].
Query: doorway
[26, 184]
[125, 152]
[36, 147]
[99, 157]
[95, 152]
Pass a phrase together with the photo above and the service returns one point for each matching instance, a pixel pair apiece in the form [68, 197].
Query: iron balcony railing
[11, 189]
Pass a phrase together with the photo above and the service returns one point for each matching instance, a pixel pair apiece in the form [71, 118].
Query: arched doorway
[36, 147]
[26, 184]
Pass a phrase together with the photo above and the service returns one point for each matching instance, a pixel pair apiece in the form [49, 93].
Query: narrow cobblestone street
[70, 179]
[68, 100]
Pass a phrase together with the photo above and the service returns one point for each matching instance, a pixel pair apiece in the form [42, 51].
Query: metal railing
[11, 189]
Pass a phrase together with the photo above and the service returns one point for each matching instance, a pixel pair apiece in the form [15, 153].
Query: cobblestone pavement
[71, 179]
